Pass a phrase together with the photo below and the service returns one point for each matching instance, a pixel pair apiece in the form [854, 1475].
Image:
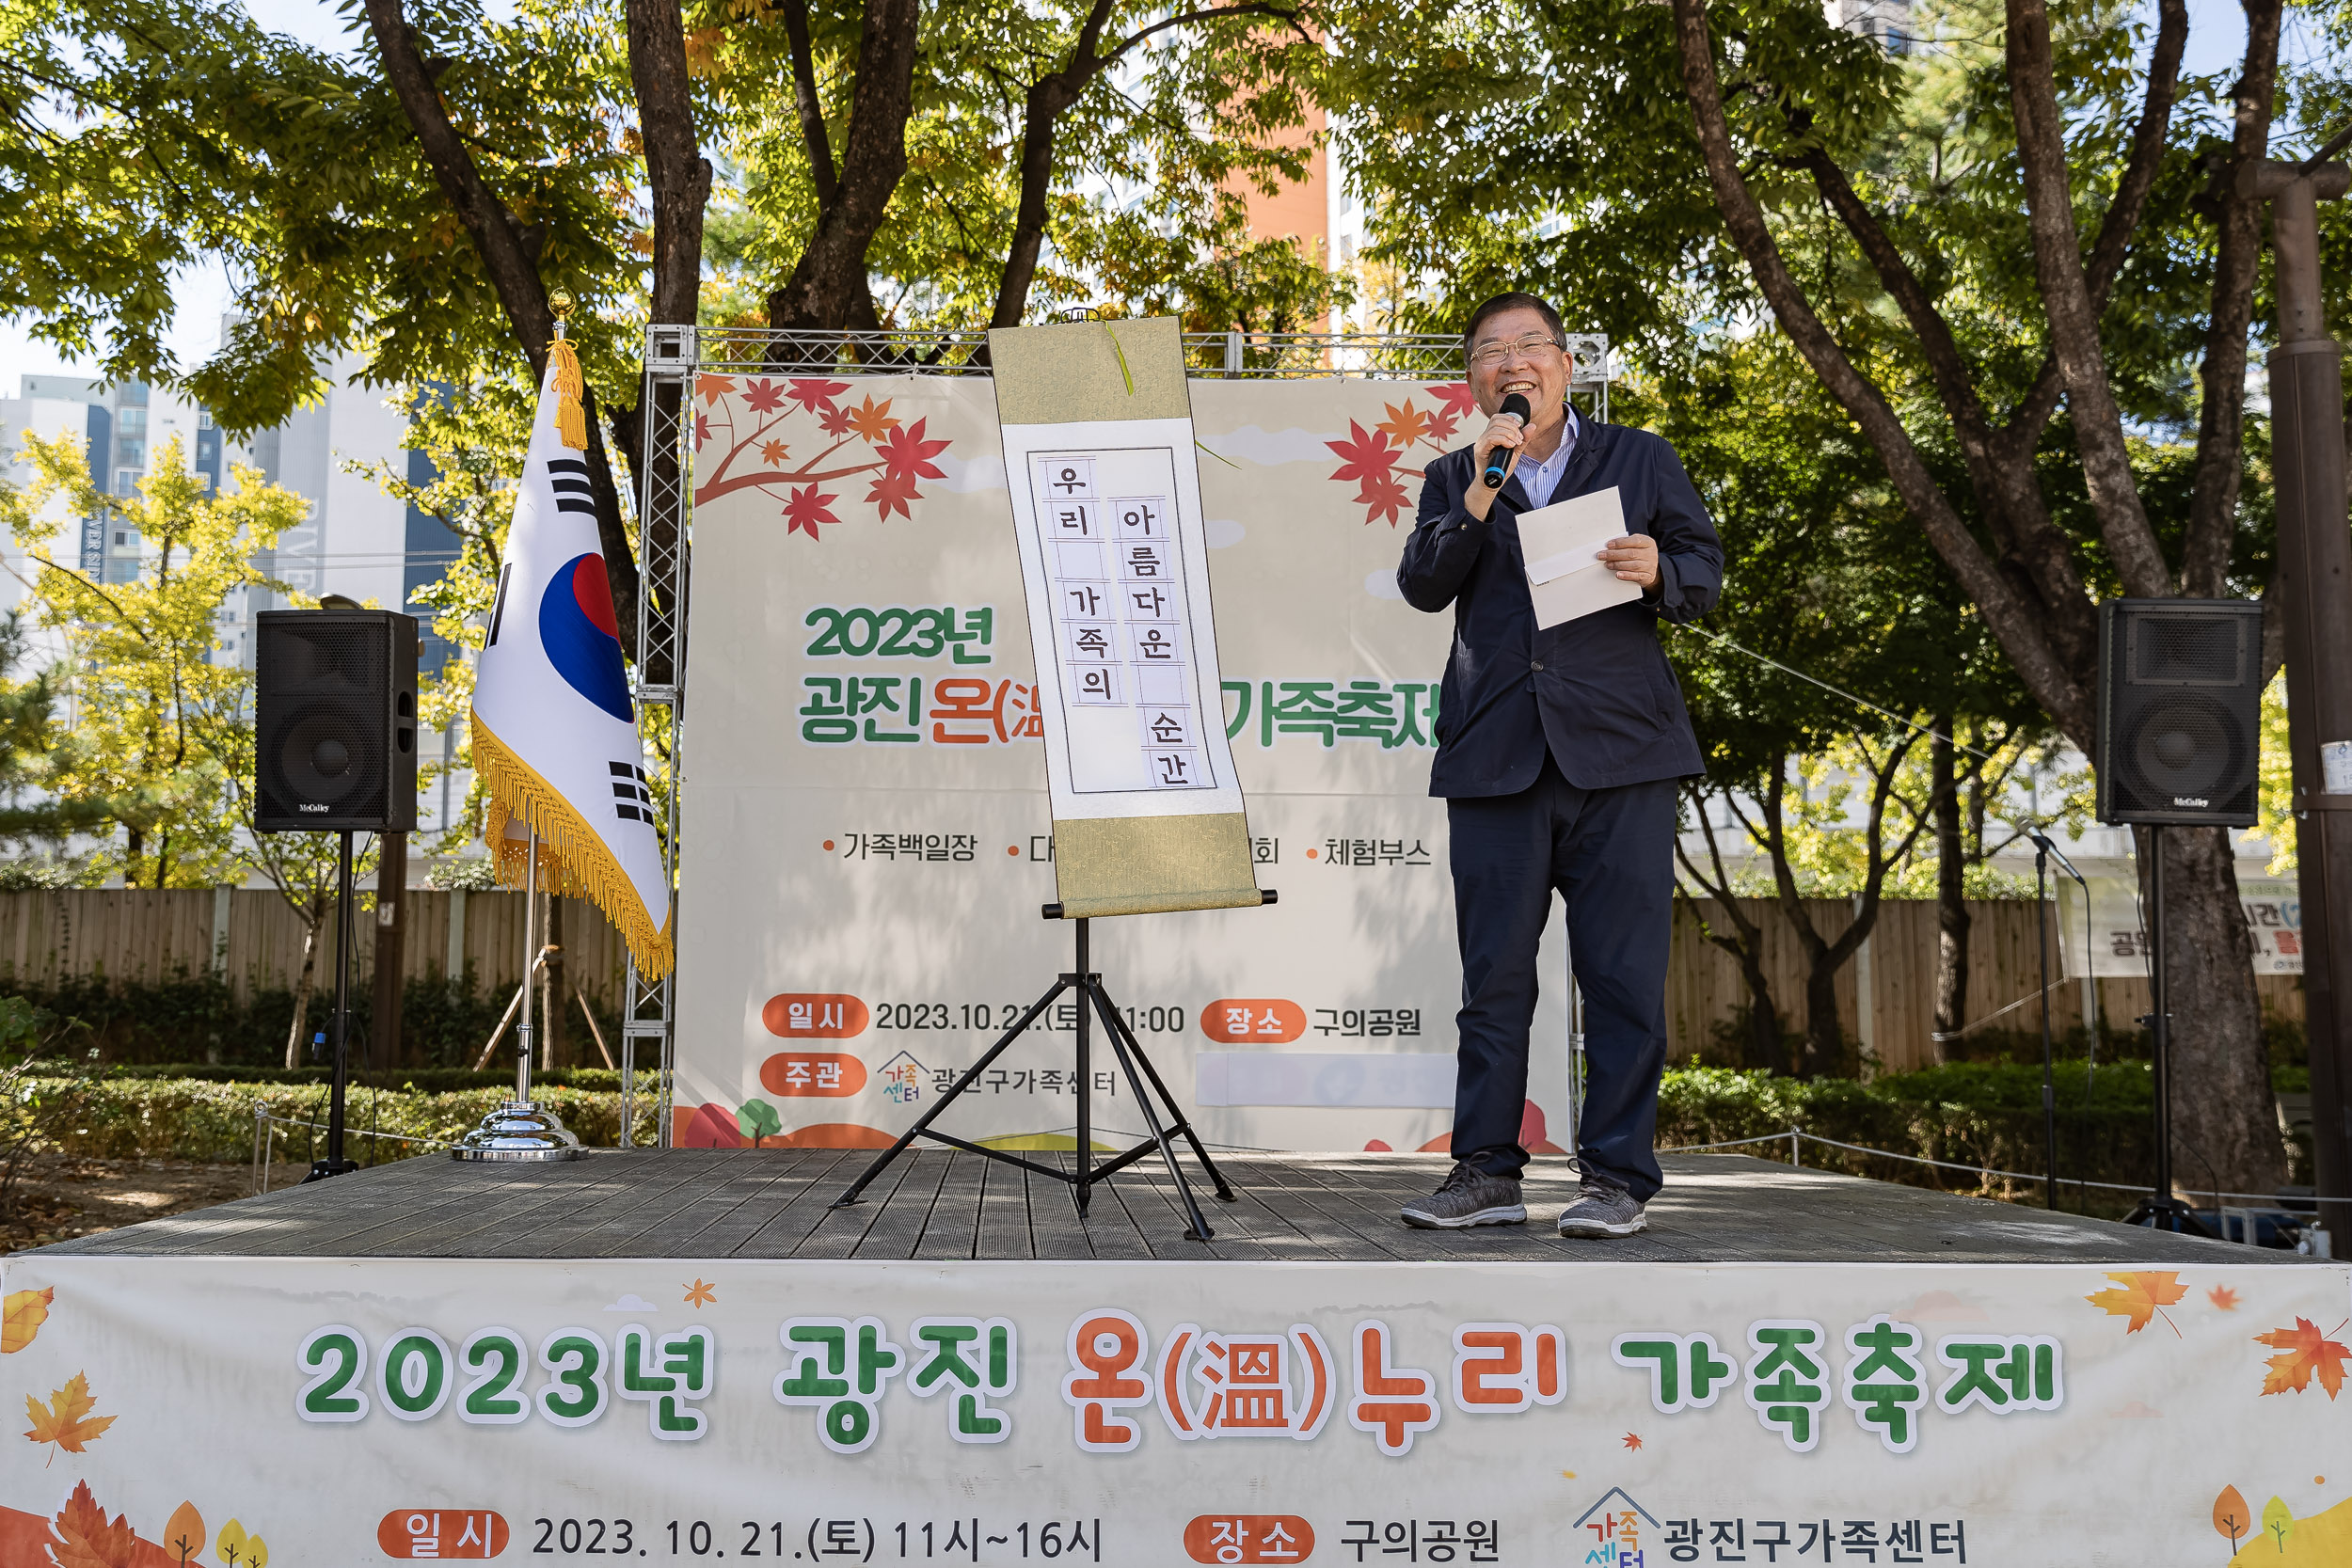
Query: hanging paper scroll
[1098, 436]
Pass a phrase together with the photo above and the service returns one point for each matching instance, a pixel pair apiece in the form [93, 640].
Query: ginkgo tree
[159, 725]
[147, 697]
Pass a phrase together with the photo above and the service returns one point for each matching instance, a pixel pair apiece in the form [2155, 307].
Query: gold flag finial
[571, 419]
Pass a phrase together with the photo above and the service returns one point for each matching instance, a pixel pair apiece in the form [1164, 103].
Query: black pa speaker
[2179, 711]
[335, 721]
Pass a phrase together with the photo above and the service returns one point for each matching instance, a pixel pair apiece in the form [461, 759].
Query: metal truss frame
[673, 357]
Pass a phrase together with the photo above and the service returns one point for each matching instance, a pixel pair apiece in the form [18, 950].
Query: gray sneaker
[1605, 1209]
[1468, 1198]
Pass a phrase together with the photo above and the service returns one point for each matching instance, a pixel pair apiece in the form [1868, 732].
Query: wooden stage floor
[940, 1205]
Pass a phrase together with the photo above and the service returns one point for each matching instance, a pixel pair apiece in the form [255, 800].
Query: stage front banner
[867, 838]
[247, 1411]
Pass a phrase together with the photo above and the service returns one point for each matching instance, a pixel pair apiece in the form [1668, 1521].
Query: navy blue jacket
[1596, 691]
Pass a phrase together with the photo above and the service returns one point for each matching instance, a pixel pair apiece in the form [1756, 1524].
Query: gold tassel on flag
[571, 420]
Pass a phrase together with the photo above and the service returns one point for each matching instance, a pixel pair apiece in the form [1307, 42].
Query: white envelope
[1560, 543]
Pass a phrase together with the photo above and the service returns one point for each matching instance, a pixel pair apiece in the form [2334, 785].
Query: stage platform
[940, 1205]
[687, 1354]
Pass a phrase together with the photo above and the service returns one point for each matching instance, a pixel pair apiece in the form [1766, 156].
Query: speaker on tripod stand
[335, 751]
[2180, 744]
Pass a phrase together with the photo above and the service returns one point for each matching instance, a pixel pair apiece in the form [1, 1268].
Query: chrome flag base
[520, 1130]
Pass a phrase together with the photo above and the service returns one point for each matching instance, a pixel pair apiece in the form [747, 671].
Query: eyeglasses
[1526, 348]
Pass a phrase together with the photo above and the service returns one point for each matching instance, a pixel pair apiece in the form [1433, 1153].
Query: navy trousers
[1609, 853]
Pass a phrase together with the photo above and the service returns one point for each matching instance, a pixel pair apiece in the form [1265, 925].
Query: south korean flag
[554, 731]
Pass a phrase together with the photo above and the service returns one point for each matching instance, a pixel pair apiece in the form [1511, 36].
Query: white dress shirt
[1540, 478]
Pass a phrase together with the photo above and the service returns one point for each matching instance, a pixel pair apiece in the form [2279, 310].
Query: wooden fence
[252, 940]
[1898, 967]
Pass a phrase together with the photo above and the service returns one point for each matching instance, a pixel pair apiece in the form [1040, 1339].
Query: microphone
[1499, 460]
[2041, 841]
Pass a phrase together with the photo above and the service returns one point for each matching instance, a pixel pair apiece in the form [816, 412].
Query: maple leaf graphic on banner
[906, 459]
[2140, 1297]
[2223, 1297]
[1383, 496]
[66, 1421]
[773, 453]
[21, 1316]
[1454, 405]
[86, 1539]
[762, 396]
[710, 388]
[1367, 458]
[815, 394]
[834, 421]
[1405, 425]
[890, 493]
[2303, 1354]
[808, 507]
[905, 452]
[871, 420]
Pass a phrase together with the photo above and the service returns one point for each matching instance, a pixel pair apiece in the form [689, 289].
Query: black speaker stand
[346, 939]
[1092, 1000]
[2160, 1209]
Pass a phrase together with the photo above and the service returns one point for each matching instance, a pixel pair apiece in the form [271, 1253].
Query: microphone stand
[2043, 852]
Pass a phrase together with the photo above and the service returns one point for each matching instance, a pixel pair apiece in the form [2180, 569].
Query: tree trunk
[1764, 1052]
[313, 916]
[133, 851]
[391, 931]
[829, 287]
[1951, 903]
[1824, 1040]
[552, 992]
[2225, 1119]
[510, 261]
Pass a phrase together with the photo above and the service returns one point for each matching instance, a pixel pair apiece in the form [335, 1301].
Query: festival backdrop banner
[867, 831]
[1105, 502]
[245, 1411]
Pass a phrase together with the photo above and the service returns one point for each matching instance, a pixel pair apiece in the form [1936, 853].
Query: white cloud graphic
[632, 1302]
[1254, 444]
[985, 472]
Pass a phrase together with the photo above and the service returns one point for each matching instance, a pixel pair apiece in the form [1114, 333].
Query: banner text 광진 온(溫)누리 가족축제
[361, 1409]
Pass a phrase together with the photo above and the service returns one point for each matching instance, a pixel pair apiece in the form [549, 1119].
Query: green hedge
[182, 1118]
[199, 1018]
[435, 1080]
[1974, 1114]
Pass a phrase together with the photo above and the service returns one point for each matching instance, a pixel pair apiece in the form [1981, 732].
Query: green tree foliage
[153, 712]
[160, 740]
[1830, 795]
[2018, 255]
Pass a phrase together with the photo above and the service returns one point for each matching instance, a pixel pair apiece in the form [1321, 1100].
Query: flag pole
[530, 953]
[521, 1129]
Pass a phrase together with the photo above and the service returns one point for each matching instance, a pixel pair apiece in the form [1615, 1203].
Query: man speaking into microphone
[1558, 752]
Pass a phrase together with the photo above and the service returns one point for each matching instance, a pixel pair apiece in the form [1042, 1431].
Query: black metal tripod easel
[1093, 1001]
